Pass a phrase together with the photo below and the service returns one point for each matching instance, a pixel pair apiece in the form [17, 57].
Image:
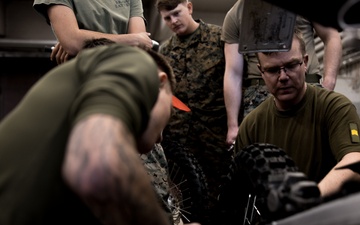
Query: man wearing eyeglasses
[318, 128]
[244, 89]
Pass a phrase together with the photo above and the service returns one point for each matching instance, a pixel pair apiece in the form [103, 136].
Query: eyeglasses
[288, 68]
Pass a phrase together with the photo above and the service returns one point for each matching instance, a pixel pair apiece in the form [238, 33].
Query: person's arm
[136, 25]
[102, 166]
[334, 180]
[233, 89]
[72, 38]
[332, 54]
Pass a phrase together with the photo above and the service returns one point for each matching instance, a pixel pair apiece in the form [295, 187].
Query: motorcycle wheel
[187, 182]
[263, 184]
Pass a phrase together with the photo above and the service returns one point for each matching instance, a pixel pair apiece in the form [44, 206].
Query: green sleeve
[118, 80]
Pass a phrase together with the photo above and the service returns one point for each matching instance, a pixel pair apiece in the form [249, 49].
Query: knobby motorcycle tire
[187, 183]
[249, 174]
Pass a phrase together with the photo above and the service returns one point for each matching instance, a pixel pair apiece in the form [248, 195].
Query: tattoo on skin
[102, 165]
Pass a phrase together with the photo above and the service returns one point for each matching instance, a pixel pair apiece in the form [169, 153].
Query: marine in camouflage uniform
[156, 166]
[198, 63]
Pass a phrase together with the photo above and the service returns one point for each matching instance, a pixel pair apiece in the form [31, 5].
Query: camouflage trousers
[252, 97]
[156, 166]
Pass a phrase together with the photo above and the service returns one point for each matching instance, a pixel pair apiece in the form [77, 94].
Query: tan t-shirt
[102, 16]
[231, 34]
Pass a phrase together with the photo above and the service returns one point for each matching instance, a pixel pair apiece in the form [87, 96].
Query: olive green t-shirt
[316, 133]
[33, 137]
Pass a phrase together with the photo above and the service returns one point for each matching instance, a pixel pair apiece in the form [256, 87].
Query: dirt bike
[264, 186]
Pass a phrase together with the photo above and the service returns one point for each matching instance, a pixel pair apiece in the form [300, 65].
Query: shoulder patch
[354, 132]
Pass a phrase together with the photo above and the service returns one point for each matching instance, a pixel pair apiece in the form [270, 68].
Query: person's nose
[281, 69]
[173, 20]
[282, 74]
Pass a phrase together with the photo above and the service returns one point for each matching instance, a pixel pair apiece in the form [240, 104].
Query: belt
[313, 78]
[254, 81]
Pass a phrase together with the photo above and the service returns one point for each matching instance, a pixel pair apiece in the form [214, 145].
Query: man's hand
[231, 135]
[59, 55]
[141, 40]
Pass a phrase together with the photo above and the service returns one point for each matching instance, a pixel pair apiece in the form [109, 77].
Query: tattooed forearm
[103, 167]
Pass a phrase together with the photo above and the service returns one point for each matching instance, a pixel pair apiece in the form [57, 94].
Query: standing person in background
[196, 55]
[74, 22]
[244, 87]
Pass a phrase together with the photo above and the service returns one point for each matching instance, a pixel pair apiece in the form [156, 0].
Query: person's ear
[262, 73]
[306, 60]
[163, 79]
[190, 7]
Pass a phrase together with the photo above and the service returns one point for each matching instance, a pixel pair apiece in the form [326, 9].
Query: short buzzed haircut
[168, 4]
[97, 42]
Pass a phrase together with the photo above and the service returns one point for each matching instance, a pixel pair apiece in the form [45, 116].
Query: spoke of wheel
[172, 170]
[178, 185]
[185, 216]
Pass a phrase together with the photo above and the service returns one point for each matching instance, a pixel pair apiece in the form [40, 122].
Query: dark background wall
[25, 39]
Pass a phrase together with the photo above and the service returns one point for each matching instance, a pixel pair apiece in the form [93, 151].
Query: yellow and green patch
[354, 132]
